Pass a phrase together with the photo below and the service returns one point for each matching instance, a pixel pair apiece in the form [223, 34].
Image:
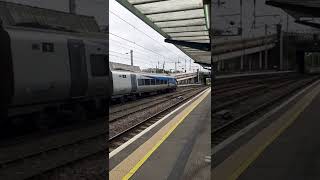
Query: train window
[99, 64]
[161, 81]
[153, 81]
[47, 47]
[147, 82]
[165, 82]
[157, 82]
[35, 46]
[140, 82]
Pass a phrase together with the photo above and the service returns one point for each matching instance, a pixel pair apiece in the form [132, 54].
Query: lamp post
[131, 56]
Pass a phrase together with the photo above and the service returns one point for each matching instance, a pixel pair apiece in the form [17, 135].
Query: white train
[126, 83]
[47, 71]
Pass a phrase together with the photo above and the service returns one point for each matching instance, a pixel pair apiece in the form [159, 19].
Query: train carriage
[54, 70]
[126, 83]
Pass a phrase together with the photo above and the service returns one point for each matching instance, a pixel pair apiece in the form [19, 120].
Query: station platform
[284, 145]
[187, 85]
[250, 74]
[177, 148]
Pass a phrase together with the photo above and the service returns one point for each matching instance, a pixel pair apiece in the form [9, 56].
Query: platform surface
[185, 153]
[295, 154]
[286, 147]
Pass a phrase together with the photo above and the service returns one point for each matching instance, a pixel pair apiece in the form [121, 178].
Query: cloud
[142, 57]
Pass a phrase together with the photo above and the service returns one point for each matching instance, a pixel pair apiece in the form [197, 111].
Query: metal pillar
[281, 51]
[260, 60]
[158, 68]
[175, 67]
[241, 63]
[250, 62]
[222, 65]
[131, 56]
[72, 6]
[198, 73]
[266, 59]
[163, 66]
[280, 39]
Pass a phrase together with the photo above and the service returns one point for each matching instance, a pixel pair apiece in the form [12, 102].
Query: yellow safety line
[291, 118]
[140, 163]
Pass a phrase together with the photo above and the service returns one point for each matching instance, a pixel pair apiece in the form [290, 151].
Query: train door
[78, 68]
[6, 73]
[133, 82]
[300, 61]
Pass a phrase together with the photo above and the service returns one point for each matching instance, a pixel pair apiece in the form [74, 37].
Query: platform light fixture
[207, 12]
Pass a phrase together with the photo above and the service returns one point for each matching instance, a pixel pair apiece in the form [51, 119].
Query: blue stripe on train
[169, 79]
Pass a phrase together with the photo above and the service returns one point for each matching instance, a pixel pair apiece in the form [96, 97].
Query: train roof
[13, 14]
[143, 73]
[102, 36]
[156, 75]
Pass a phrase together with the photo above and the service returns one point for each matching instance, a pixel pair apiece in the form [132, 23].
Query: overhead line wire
[145, 34]
[139, 45]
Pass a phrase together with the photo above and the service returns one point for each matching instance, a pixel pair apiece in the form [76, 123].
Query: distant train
[49, 71]
[208, 81]
[126, 83]
[312, 63]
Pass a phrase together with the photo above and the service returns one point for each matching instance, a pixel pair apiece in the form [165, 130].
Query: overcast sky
[142, 57]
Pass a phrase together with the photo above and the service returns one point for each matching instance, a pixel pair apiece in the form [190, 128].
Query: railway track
[27, 157]
[141, 106]
[236, 114]
[220, 88]
[39, 153]
[146, 98]
[255, 78]
[237, 96]
[124, 135]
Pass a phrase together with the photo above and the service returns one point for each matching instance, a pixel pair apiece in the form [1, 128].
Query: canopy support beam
[193, 45]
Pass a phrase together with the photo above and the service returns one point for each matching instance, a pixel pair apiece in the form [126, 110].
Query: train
[208, 81]
[45, 71]
[132, 84]
[312, 63]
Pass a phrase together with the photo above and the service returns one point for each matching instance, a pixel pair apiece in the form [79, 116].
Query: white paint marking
[126, 144]
[255, 123]
[207, 158]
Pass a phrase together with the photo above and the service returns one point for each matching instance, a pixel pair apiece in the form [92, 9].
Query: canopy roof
[182, 22]
[298, 8]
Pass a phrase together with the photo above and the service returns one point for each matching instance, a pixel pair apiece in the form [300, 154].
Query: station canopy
[184, 23]
[298, 8]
